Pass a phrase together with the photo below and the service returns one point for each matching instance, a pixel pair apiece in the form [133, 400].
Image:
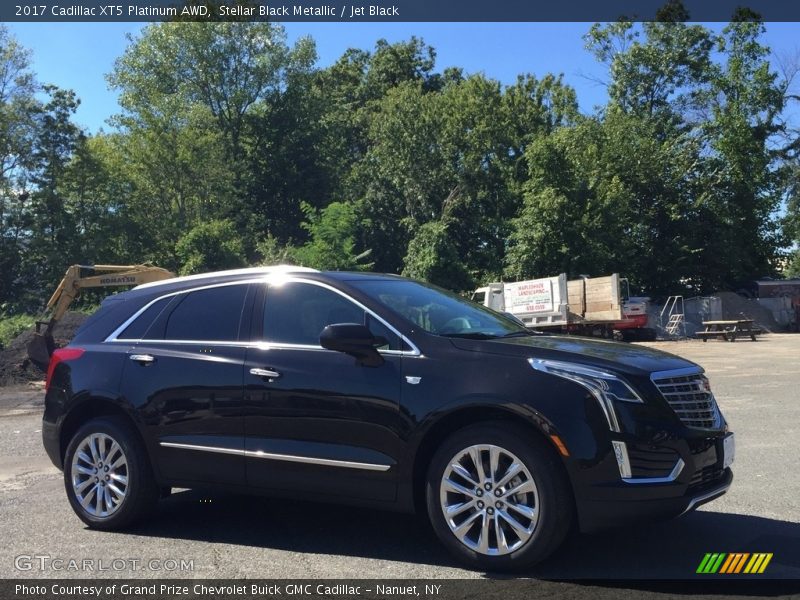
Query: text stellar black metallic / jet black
[382, 391]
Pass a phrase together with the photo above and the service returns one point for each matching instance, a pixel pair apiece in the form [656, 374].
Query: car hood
[626, 358]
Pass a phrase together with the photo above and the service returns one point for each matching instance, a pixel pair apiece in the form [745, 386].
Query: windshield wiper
[514, 334]
[475, 335]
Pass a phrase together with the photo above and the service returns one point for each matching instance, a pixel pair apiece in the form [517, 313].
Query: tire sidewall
[554, 507]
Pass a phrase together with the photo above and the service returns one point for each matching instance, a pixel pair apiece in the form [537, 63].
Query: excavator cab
[79, 277]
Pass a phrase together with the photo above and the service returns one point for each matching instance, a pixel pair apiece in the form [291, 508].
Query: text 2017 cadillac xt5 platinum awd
[382, 391]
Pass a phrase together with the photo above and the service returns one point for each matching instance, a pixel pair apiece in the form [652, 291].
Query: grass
[11, 327]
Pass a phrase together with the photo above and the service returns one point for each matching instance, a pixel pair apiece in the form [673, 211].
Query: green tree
[605, 195]
[718, 116]
[453, 154]
[333, 239]
[18, 106]
[52, 237]
[210, 246]
[432, 256]
[744, 181]
[197, 101]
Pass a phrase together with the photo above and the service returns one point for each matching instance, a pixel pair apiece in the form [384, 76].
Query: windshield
[438, 311]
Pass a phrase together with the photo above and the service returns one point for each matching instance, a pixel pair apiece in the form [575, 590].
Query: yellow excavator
[77, 278]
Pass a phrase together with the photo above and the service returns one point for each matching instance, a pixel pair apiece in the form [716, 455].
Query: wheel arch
[447, 424]
[91, 406]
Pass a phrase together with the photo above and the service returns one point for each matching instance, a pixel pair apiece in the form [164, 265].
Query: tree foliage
[233, 147]
[210, 246]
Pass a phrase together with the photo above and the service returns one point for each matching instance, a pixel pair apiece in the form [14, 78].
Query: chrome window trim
[265, 344]
[294, 279]
[326, 462]
[113, 336]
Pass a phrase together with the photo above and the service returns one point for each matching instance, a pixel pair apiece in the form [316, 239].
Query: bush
[12, 326]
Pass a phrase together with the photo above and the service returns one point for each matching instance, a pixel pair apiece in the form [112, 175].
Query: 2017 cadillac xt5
[382, 391]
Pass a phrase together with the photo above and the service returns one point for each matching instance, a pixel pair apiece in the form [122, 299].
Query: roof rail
[267, 270]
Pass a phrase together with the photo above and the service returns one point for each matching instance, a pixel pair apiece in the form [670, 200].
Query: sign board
[534, 296]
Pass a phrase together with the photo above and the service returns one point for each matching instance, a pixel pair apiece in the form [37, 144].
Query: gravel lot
[757, 385]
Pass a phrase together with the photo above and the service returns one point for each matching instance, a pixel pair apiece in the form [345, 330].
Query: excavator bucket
[76, 278]
[40, 348]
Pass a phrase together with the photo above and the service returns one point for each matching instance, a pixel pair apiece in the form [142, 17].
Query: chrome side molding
[326, 462]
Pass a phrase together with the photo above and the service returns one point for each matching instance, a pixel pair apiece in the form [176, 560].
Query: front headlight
[605, 387]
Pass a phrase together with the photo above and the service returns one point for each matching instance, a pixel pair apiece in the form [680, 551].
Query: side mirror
[353, 339]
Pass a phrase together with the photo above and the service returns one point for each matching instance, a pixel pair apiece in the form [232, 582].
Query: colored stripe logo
[734, 563]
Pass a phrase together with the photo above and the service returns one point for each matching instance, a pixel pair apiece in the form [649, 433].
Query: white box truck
[589, 305]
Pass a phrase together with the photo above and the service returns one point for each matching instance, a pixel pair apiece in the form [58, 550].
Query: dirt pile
[16, 368]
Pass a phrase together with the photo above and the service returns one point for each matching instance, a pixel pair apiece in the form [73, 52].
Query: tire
[548, 492]
[128, 488]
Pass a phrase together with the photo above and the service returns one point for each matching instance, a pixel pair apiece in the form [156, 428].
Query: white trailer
[588, 305]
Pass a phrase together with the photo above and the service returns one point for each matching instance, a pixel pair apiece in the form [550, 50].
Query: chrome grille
[691, 400]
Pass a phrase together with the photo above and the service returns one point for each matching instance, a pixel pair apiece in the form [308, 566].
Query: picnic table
[728, 330]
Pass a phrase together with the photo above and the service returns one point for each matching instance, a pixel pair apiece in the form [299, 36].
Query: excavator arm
[77, 278]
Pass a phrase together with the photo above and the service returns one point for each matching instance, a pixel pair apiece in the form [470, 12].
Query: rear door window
[213, 315]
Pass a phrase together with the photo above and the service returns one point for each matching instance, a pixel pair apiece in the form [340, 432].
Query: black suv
[376, 390]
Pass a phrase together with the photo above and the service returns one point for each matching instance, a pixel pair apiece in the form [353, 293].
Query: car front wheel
[497, 497]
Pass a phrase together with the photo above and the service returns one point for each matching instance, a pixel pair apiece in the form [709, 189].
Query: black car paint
[204, 394]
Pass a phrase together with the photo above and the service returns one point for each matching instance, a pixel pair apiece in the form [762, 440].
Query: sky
[79, 55]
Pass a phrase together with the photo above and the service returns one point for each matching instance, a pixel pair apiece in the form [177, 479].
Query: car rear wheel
[107, 475]
[497, 497]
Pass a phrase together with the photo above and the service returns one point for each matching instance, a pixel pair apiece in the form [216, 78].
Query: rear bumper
[655, 502]
[51, 442]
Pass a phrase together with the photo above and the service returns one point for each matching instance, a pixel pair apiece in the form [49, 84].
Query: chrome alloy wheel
[99, 475]
[489, 499]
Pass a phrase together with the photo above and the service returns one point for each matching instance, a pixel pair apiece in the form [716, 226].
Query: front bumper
[668, 479]
[596, 515]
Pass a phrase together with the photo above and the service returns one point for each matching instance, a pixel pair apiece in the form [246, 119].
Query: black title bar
[395, 10]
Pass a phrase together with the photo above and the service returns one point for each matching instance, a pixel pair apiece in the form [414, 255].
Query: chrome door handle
[143, 358]
[268, 373]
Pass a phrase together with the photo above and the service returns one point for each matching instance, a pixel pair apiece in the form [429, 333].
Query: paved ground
[758, 387]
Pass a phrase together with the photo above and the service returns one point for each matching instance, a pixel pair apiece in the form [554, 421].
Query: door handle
[266, 373]
[145, 359]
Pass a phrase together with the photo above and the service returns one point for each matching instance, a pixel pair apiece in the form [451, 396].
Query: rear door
[317, 421]
[185, 374]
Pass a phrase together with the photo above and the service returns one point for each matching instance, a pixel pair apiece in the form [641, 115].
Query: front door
[317, 421]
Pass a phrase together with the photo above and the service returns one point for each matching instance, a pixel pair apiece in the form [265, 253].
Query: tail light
[61, 355]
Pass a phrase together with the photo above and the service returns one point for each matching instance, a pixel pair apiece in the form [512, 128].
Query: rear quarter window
[137, 330]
